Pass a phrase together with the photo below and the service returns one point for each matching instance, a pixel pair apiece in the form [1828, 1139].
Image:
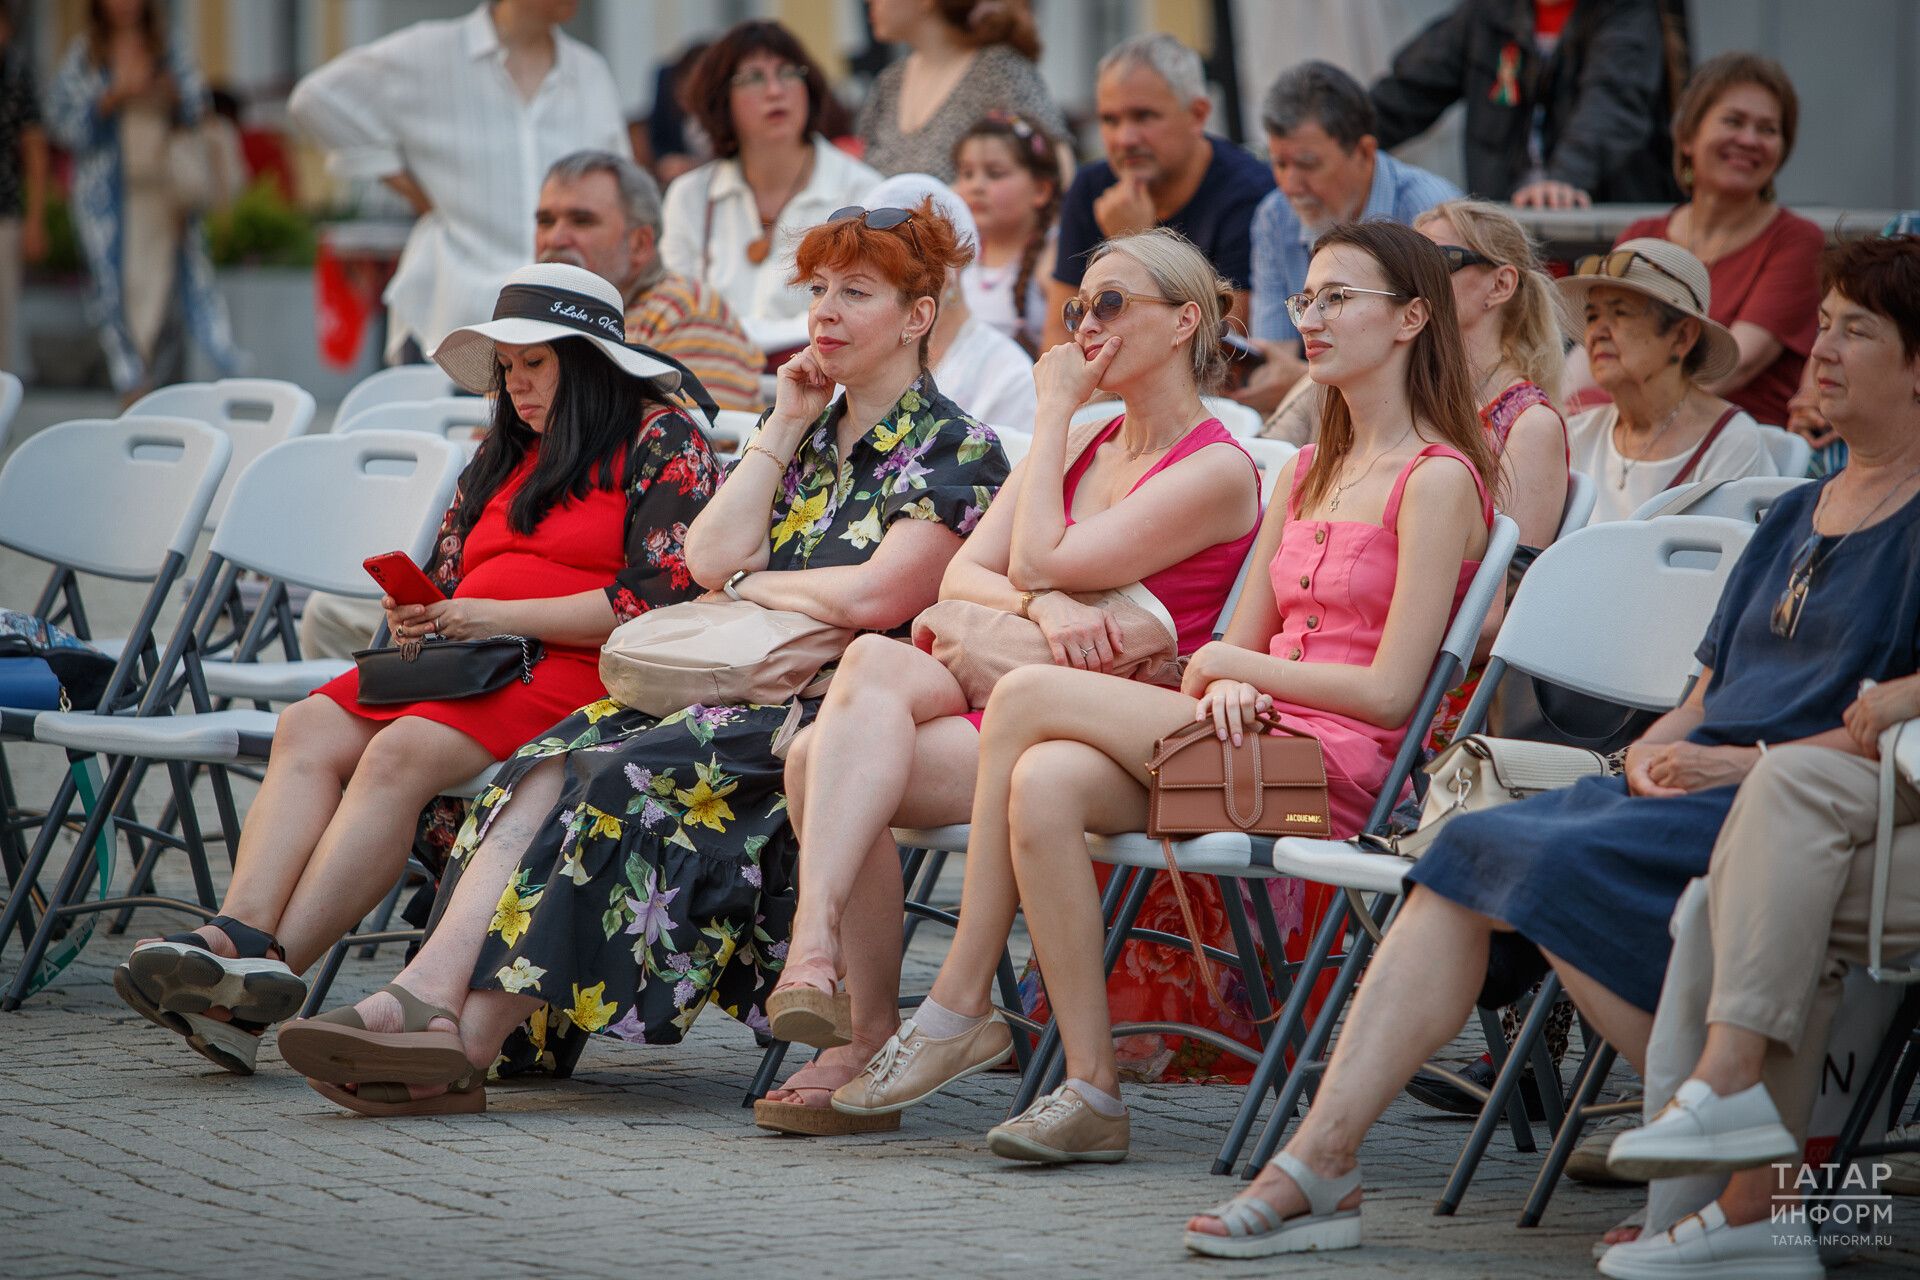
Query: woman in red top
[1732, 132]
[568, 521]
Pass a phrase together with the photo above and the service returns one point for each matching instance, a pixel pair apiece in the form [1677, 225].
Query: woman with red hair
[625, 870]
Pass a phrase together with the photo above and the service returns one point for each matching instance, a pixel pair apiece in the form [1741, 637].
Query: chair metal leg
[323, 980]
[1866, 1109]
[82, 858]
[383, 914]
[1250, 973]
[1593, 1074]
[1502, 1098]
[1287, 1034]
[935, 862]
[190, 834]
[1010, 998]
[17, 913]
[769, 1068]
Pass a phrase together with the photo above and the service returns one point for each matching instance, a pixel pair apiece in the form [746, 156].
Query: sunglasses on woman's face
[1105, 306]
[1618, 264]
[1459, 258]
[877, 219]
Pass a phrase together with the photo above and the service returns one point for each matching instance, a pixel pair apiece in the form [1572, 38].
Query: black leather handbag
[442, 670]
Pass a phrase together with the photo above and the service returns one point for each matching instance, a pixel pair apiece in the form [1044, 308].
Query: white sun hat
[541, 303]
[907, 190]
[1665, 272]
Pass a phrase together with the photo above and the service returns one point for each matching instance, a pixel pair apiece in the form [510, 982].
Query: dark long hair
[706, 90]
[587, 443]
[1438, 386]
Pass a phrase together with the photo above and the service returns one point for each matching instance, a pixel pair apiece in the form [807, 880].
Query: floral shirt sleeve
[672, 475]
[925, 460]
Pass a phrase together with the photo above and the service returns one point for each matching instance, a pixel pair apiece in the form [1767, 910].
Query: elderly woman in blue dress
[1826, 595]
[121, 90]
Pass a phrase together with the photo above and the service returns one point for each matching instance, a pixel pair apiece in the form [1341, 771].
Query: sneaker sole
[183, 979]
[1011, 1146]
[1743, 1149]
[889, 1108]
[1749, 1268]
[205, 1036]
[1296, 1235]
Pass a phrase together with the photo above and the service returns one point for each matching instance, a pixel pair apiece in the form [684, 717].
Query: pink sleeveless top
[1333, 582]
[1195, 589]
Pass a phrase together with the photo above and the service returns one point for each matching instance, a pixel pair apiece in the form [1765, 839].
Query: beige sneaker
[912, 1066]
[1059, 1128]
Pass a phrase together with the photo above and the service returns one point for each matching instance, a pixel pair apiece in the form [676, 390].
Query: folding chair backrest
[1791, 454]
[309, 511]
[1747, 499]
[1015, 442]
[11, 393]
[1271, 456]
[256, 414]
[112, 496]
[1617, 609]
[731, 429]
[402, 382]
[1463, 633]
[460, 419]
[1579, 507]
[1237, 418]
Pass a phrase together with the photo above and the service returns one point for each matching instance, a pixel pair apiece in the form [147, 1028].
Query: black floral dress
[664, 878]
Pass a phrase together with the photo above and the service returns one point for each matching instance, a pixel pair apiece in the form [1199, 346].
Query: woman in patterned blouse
[626, 869]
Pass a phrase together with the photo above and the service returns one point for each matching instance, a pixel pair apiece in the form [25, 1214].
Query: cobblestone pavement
[122, 1153]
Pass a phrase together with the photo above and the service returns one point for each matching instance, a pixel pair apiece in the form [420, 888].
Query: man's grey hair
[1167, 58]
[639, 193]
[1319, 93]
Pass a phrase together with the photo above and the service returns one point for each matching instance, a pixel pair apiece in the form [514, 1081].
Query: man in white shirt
[463, 119]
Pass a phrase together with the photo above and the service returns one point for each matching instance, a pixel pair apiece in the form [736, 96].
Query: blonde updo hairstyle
[1535, 324]
[1182, 274]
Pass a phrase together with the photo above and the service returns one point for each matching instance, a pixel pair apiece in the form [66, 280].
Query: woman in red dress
[569, 520]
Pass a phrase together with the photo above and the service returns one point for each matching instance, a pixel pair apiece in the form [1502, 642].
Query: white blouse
[989, 375]
[711, 218]
[1622, 485]
[435, 101]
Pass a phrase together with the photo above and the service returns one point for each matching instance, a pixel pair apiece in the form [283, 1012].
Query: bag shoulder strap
[1706, 443]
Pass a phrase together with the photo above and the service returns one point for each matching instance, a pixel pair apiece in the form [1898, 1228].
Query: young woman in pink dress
[1337, 638]
[1161, 495]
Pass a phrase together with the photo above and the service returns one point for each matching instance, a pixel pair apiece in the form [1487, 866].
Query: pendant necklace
[1627, 463]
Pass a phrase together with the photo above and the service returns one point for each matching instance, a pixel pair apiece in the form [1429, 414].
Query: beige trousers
[334, 626]
[1787, 896]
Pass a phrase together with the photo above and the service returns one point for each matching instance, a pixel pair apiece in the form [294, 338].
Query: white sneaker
[1701, 1246]
[1701, 1132]
[1903, 1178]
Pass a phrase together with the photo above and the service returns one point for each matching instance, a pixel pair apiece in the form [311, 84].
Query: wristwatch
[733, 584]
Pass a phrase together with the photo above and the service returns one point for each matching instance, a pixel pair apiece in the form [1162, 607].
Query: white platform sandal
[1255, 1228]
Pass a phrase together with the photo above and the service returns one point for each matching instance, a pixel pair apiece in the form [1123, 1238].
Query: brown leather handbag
[1272, 784]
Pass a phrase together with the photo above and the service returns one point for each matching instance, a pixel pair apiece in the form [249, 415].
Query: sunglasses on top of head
[1105, 306]
[877, 219]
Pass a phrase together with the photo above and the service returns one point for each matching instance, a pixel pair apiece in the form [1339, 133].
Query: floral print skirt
[662, 882]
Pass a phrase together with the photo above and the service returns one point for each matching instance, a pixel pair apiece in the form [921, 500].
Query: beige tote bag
[716, 653]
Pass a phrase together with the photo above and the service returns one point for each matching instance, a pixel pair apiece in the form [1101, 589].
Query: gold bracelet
[757, 447]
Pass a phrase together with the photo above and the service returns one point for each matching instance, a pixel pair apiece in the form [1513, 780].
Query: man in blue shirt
[1330, 170]
[1162, 169]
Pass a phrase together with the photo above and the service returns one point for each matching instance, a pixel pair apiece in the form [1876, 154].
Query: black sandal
[179, 974]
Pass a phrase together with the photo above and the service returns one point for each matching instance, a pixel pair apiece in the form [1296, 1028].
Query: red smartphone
[402, 579]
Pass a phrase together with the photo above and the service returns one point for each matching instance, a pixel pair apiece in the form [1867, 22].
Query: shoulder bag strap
[1706, 443]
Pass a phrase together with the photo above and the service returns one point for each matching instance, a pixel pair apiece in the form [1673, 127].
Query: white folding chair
[1614, 610]
[1791, 453]
[1747, 499]
[147, 483]
[11, 394]
[1015, 443]
[307, 511]
[1579, 507]
[463, 420]
[1239, 419]
[731, 427]
[256, 413]
[401, 382]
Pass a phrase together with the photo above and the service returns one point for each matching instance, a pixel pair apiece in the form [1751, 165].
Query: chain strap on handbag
[1479, 772]
[1274, 783]
[440, 670]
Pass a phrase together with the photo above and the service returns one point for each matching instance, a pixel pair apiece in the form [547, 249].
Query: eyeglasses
[758, 78]
[1619, 264]
[1787, 609]
[1330, 301]
[1106, 306]
[876, 219]
[1459, 258]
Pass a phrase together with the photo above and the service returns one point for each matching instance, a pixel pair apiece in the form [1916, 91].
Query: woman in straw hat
[1651, 344]
[568, 521]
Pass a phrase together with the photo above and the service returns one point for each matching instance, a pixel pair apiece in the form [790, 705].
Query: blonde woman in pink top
[1162, 495]
[1337, 637]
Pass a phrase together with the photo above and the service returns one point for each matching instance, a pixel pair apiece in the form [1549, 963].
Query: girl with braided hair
[1007, 169]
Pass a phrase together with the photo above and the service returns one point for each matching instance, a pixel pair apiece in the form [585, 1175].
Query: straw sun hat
[541, 303]
[1663, 271]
